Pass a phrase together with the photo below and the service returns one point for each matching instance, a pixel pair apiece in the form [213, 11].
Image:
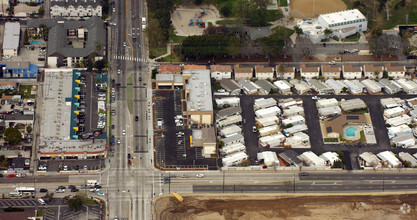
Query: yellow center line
[127, 32]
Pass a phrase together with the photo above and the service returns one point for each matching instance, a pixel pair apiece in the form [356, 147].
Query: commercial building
[330, 157]
[58, 137]
[352, 104]
[389, 158]
[285, 72]
[272, 140]
[352, 72]
[265, 87]
[290, 158]
[396, 72]
[23, 69]
[267, 121]
[269, 158]
[230, 101]
[283, 86]
[248, 87]
[76, 9]
[268, 112]
[330, 71]
[373, 72]
[336, 85]
[169, 68]
[297, 139]
[309, 72]
[320, 87]
[205, 138]
[390, 86]
[393, 112]
[198, 97]
[264, 103]
[262, 72]
[86, 37]
[227, 112]
[220, 72]
[11, 39]
[354, 86]
[409, 86]
[372, 86]
[243, 72]
[169, 81]
[231, 86]
[311, 159]
[323, 103]
[293, 110]
[234, 159]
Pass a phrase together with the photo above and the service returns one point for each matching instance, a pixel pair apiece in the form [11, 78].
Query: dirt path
[289, 207]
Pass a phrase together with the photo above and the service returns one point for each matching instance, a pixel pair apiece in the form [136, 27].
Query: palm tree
[328, 32]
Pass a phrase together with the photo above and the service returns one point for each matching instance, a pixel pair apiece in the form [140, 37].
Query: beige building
[169, 81]
[262, 72]
[352, 72]
[286, 73]
[373, 72]
[330, 71]
[243, 72]
[205, 138]
[309, 72]
[396, 72]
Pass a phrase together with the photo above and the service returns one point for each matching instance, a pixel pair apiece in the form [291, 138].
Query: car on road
[116, 218]
[314, 97]
[60, 190]
[134, 39]
[100, 193]
[254, 129]
[74, 190]
[97, 186]
[200, 175]
[61, 187]
[303, 174]
[124, 44]
[140, 78]
[113, 112]
[129, 162]
[84, 186]
[124, 132]
[112, 126]
[128, 156]
[354, 51]
[136, 118]
[332, 63]
[118, 141]
[11, 175]
[119, 71]
[119, 52]
[43, 190]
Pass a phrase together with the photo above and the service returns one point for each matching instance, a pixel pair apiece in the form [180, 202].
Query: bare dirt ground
[304, 8]
[387, 207]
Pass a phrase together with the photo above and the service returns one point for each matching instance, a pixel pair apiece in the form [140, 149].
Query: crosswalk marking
[129, 58]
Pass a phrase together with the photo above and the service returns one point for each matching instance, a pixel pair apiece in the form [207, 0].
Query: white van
[42, 202]
[143, 20]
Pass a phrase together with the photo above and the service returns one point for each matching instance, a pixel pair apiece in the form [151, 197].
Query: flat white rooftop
[342, 16]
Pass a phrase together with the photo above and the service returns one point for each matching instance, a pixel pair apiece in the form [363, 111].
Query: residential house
[390, 158]
[169, 68]
[234, 159]
[320, 87]
[297, 139]
[311, 159]
[262, 72]
[390, 86]
[265, 86]
[396, 72]
[194, 67]
[352, 72]
[220, 72]
[243, 72]
[249, 87]
[330, 71]
[231, 86]
[274, 140]
[368, 159]
[373, 72]
[76, 8]
[309, 72]
[330, 157]
[285, 72]
[290, 158]
[269, 158]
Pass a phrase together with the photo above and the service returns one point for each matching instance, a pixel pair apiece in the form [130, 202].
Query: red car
[129, 163]
[11, 175]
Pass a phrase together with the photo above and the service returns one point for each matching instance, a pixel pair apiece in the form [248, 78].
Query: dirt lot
[182, 15]
[304, 8]
[289, 207]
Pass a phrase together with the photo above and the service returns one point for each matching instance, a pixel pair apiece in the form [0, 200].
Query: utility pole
[294, 182]
[223, 180]
[383, 181]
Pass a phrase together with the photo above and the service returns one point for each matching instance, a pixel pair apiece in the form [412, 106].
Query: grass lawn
[225, 22]
[130, 92]
[274, 15]
[352, 38]
[174, 38]
[282, 3]
[157, 51]
[210, 24]
[174, 57]
[331, 139]
[25, 90]
[282, 31]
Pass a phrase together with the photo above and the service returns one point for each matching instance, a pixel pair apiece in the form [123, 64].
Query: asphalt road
[31, 179]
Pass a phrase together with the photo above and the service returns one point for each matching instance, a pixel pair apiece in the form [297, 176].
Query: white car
[124, 132]
[332, 63]
[354, 51]
[200, 175]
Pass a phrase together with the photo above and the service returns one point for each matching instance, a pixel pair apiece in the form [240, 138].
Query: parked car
[200, 175]
[254, 129]
[43, 190]
[136, 118]
[11, 175]
[84, 186]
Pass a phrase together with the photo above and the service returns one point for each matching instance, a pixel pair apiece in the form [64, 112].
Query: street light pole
[223, 180]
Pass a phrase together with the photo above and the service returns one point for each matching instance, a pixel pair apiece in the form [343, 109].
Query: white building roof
[311, 159]
[332, 110]
[266, 121]
[404, 140]
[354, 84]
[342, 16]
[407, 84]
[394, 111]
[293, 120]
[229, 130]
[282, 85]
[390, 84]
[265, 103]
[372, 85]
[352, 104]
[233, 148]
[231, 159]
[11, 35]
[199, 87]
[390, 158]
[272, 140]
[268, 111]
[370, 158]
[268, 129]
[289, 102]
[293, 110]
[230, 120]
[399, 120]
[405, 156]
[389, 102]
[330, 157]
[295, 129]
[227, 100]
[322, 103]
[233, 138]
[397, 129]
[335, 84]
[270, 158]
[297, 137]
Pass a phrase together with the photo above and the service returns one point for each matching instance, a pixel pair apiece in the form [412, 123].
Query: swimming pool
[36, 42]
[350, 131]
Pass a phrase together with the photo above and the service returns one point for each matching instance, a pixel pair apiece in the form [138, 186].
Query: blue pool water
[36, 42]
[350, 131]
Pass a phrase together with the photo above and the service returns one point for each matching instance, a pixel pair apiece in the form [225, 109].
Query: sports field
[304, 8]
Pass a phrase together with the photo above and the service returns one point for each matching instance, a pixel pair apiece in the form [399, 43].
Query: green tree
[385, 74]
[226, 10]
[208, 46]
[262, 3]
[100, 64]
[328, 32]
[12, 135]
[376, 32]
[298, 30]
[345, 89]
[41, 11]
[75, 203]
[4, 164]
[258, 18]
[29, 129]
[154, 33]
[338, 164]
